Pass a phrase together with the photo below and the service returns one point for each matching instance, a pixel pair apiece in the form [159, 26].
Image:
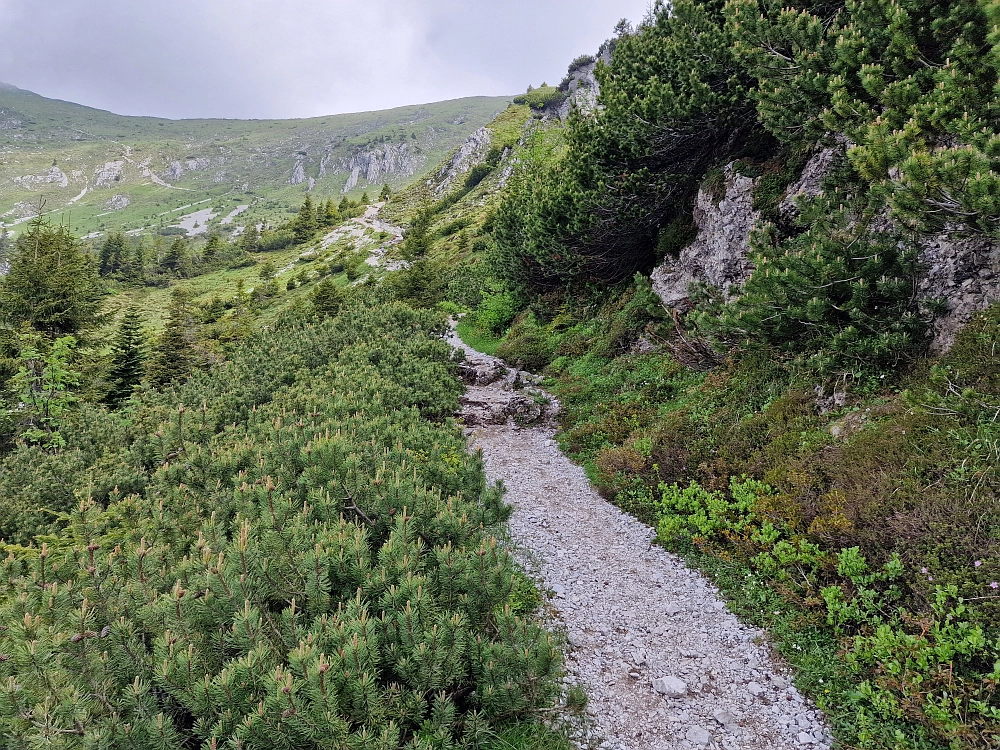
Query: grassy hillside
[795, 437]
[108, 172]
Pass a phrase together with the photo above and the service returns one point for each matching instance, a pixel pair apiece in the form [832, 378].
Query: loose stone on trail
[665, 665]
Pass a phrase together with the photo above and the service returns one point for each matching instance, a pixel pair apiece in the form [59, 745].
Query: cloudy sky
[293, 58]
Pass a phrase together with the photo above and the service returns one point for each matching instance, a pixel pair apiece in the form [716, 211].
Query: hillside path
[633, 613]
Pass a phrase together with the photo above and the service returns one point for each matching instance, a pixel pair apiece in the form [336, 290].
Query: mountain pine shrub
[292, 550]
[839, 296]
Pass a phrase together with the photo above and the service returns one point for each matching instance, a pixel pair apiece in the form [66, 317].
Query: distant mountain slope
[110, 171]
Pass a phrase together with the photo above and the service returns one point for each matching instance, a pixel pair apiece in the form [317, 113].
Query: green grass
[480, 340]
[238, 161]
[152, 302]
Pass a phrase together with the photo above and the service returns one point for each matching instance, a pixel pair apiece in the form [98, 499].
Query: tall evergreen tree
[326, 298]
[175, 256]
[305, 223]
[113, 254]
[135, 269]
[212, 247]
[250, 239]
[331, 216]
[174, 355]
[128, 358]
[386, 192]
[52, 284]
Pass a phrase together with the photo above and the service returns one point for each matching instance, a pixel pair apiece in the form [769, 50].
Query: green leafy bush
[527, 345]
[496, 311]
[694, 511]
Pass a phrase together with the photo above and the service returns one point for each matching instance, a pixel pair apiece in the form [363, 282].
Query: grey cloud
[294, 58]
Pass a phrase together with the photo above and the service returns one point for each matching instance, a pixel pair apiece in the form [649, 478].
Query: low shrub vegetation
[290, 549]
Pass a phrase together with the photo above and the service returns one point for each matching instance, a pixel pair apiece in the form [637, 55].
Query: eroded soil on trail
[664, 663]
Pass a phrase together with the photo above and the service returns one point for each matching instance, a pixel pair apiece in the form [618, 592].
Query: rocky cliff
[469, 154]
[960, 269]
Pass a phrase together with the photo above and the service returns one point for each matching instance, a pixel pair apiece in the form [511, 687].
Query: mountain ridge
[124, 172]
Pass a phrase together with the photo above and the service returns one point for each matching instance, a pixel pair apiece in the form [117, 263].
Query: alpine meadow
[303, 420]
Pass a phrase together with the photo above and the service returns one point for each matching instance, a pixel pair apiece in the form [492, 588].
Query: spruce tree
[212, 247]
[326, 298]
[174, 355]
[52, 284]
[135, 269]
[250, 239]
[175, 257]
[331, 216]
[113, 254]
[386, 192]
[305, 224]
[128, 358]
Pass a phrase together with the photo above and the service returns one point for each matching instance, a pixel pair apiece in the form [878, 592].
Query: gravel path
[664, 663]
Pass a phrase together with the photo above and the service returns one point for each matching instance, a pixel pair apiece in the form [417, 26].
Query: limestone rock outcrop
[471, 153]
[960, 269]
[719, 254]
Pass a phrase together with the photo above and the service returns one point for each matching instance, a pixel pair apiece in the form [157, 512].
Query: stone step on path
[664, 663]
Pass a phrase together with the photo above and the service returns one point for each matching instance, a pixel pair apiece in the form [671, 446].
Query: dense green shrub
[527, 345]
[673, 100]
[272, 241]
[496, 311]
[477, 174]
[300, 559]
[912, 83]
[817, 298]
[542, 97]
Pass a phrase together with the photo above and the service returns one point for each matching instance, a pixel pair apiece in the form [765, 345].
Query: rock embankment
[664, 663]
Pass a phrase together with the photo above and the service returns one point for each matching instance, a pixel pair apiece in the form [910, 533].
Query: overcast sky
[293, 58]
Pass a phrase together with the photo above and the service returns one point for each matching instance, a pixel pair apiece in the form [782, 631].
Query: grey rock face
[118, 202]
[964, 271]
[53, 176]
[961, 269]
[583, 91]
[110, 173]
[810, 183]
[298, 173]
[719, 254]
[375, 165]
[471, 153]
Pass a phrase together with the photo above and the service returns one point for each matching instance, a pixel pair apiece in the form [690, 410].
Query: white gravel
[664, 663]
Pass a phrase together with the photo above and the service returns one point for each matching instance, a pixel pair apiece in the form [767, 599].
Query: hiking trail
[664, 663]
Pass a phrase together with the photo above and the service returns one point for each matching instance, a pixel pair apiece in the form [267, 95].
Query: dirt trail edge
[663, 661]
